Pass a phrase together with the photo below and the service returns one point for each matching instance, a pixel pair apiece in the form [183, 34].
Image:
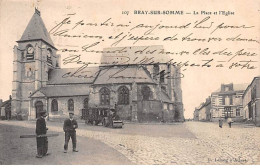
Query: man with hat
[69, 127]
[41, 129]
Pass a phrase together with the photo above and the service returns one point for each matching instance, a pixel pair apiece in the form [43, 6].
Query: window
[29, 52]
[213, 99]
[49, 54]
[175, 96]
[227, 100]
[228, 111]
[163, 88]
[123, 95]
[170, 106]
[146, 92]
[155, 71]
[104, 96]
[85, 103]
[57, 64]
[70, 105]
[253, 93]
[226, 88]
[23, 56]
[223, 100]
[231, 100]
[49, 74]
[237, 112]
[162, 74]
[54, 105]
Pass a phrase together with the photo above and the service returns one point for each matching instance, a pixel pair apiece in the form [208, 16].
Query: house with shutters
[226, 102]
[251, 103]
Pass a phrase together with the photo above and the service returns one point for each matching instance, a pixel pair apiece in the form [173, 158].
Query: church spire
[37, 12]
[36, 30]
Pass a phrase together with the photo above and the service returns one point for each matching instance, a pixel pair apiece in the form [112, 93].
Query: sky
[198, 83]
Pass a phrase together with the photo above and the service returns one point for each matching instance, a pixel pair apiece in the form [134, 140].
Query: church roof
[36, 30]
[7, 102]
[62, 91]
[58, 76]
[165, 98]
[111, 75]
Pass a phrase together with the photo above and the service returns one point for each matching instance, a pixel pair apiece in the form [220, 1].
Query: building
[196, 114]
[5, 109]
[251, 104]
[202, 113]
[227, 102]
[142, 90]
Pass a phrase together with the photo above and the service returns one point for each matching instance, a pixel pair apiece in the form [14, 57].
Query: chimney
[222, 87]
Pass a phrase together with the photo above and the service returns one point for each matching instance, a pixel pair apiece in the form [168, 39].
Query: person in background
[41, 129]
[229, 120]
[220, 122]
[69, 127]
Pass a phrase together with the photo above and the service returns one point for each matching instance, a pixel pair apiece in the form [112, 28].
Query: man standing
[42, 142]
[229, 120]
[220, 122]
[69, 127]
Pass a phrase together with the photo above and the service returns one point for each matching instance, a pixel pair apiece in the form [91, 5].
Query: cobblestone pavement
[237, 145]
[206, 143]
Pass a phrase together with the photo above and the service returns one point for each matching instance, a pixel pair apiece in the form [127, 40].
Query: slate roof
[255, 78]
[111, 75]
[57, 76]
[165, 97]
[62, 91]
[5, 103]
[36, 30]
[236, 87]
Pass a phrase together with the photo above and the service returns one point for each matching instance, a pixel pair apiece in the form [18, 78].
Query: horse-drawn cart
[107, 117]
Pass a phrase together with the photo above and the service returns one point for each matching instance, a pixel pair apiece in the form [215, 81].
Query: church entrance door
[38, 107]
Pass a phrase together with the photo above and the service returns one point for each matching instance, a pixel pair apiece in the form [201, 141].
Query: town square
[129, 83]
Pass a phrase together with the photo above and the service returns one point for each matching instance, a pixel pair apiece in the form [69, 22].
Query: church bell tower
[34, 58]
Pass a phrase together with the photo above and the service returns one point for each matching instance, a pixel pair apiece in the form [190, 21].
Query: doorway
[38, 107]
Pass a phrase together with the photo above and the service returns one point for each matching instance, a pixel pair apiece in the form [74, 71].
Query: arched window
[70, 105]
[104, 96]
[163, 88]
[86, 103]
[29, 52]
[54, 105]
[162, 75]
[49, 74]
[146, 92]
[155, 71]
[49, 55]
[123, 95]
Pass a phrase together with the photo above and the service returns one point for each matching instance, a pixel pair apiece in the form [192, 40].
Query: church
[141, 92]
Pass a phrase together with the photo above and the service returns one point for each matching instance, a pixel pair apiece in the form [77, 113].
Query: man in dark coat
[220, 123]
[69, 127]
[41, 129]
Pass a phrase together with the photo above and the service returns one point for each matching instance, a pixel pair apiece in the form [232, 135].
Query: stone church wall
[63, 111]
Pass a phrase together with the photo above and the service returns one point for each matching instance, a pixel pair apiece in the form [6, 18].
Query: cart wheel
[96, 122]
